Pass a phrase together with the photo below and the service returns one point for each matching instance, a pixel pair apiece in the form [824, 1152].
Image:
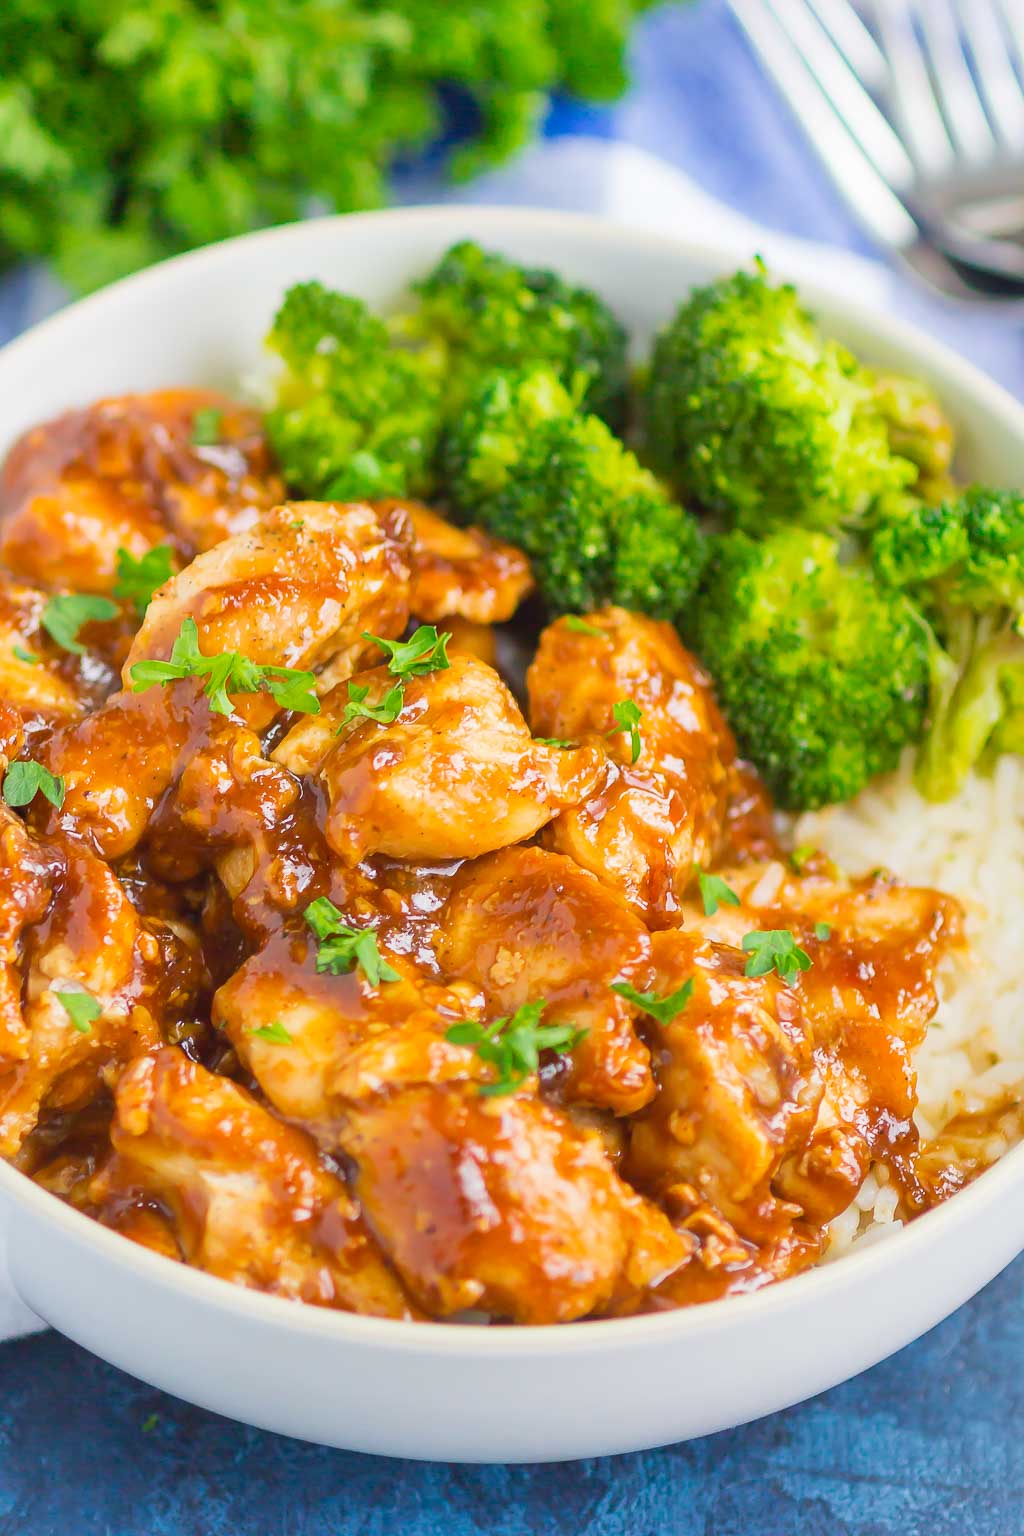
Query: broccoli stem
[967, 700]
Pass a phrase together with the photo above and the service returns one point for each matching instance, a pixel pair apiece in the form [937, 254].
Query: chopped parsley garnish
[776, 949]
[822, 931]
[714, 892]
[227, 673]
[340, 948]
[425, 651]
[138, 579]
[512, 1045]
[207, 425]
[81, 1008]
[627, 717]
[554, 741]
[29, 657]
[25, 778]
[275, 1032]
[299, 522]
[573, 621]
[664, 1009]
[385, 713]
[802, 856]
[64, 616]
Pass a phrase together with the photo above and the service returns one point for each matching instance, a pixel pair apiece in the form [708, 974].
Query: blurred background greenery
[131, 129]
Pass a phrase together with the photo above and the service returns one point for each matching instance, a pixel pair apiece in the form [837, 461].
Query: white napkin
[623, 183]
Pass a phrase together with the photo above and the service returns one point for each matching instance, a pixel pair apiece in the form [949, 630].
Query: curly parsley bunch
[130, 129]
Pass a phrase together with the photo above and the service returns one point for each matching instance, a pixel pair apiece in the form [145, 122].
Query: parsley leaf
[822, 931]
[425, 651]
[714, 892]
[513, 1045]
[341, 948]
[627, 717]
[664, 1009]
[80, 1006]
[207, 425]
[138, 579]
[29, 657]
[275, 1032]
[25, 778]
[776, 949]
[573, 621]
[801, 856]
[64, 616]
[385, 713]
[554, 741]
[227, 673]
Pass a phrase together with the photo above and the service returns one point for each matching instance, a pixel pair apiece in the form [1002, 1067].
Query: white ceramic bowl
[439, 1390]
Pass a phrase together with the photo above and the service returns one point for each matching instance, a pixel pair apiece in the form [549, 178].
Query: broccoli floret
[822, 670]
[355, 416]
[477, 311]
[962, 563]
[598, 528]
[753, 412]
[919, 429]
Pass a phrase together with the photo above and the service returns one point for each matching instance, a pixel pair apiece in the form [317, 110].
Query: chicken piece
[461, 572]
[126, 473]
[525, 925]
[526, 1218]
[68, 928]
[247, 1197]
[455, 776]
[44, 684]
[738, 1086]
[295, 592]
[645, 824]
[495, 1203]
[875, 948]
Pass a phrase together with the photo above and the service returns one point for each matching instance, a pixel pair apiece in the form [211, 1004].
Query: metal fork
[916, 108]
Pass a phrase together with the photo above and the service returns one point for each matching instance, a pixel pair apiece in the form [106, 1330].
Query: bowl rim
[867, 1266]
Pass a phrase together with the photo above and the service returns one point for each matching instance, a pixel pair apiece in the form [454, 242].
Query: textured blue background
[927, 1444]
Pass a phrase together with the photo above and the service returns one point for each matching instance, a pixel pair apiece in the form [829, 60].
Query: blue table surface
[926, 1444]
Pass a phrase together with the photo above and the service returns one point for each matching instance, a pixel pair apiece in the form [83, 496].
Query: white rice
[972, 1059]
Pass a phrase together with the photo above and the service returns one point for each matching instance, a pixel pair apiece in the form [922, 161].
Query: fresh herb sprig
[627, 717]
[65, 614]
[25, 778]
[664, 1009]
[512, 1045]
[424, 651]
[207, 427]
[714, 892]
[80, 1006]
[775, 949]
[138, 578]
[226, 673]
[274, 1033]
[341, 948]
[581, 627]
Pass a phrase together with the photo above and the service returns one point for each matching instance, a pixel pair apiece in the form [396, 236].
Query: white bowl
[439, 1390]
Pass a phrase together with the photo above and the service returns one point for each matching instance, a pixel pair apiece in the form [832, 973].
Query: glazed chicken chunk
[185, 467]
[525, 924]
[453, 775]
[499, 1204]
[875, 947]
[246, 1196]
[87, 980]
[461, 573]
[296, 592]
[660, 803]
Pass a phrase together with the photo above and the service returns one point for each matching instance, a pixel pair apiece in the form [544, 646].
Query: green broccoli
[821, 669]
[753, 412]
[963, 564]
[524, 462]
[355, 417]
[478, 311]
